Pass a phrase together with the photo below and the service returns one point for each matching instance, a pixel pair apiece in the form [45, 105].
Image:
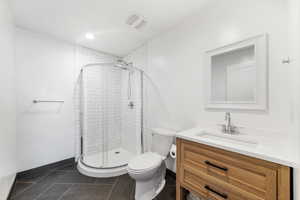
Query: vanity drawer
[255, 178]
[212, 188]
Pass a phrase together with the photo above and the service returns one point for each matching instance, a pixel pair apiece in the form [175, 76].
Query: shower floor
[114, 158]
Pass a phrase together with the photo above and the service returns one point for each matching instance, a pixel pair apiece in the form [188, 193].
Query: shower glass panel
[110, 115]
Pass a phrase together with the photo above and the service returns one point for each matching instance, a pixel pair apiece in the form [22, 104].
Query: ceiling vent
[136, 21]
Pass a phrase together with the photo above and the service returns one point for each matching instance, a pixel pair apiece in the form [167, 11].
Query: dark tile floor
[63, 182]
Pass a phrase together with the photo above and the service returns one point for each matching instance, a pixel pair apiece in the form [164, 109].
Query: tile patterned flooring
[63, 182]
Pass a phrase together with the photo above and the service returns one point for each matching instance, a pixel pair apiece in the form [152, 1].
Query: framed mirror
[236, 75]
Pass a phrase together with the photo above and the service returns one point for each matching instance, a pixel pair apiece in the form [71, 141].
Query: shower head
[124, 65]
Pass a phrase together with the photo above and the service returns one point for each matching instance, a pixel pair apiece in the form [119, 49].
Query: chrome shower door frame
[81, 124]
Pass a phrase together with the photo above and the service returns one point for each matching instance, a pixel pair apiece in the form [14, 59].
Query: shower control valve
[131, 104]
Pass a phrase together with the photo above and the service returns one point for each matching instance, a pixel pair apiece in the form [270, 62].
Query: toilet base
[149, 189]
[149, 193]
[161, 187]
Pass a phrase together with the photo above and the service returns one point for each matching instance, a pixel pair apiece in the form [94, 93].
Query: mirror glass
[233, 76]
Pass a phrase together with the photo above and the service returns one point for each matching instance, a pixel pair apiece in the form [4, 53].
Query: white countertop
[277, 148]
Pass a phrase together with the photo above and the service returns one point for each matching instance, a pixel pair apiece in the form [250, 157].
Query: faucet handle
[236, 129]
[233, 129]
[227, 115]
[223, 127]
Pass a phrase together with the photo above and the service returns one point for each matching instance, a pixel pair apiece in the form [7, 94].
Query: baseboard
[6, 185]
[45, 167]
[171, 173]
[11, 188]
[40, 169]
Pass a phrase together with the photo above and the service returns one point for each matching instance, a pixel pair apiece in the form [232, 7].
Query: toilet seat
[144, 162]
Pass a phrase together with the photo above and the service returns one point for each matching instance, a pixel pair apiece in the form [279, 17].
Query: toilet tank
[162, 140]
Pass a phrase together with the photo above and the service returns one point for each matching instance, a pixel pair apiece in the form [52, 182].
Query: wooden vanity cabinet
[217, 174]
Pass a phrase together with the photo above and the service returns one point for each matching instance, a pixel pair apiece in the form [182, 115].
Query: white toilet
[149, 169]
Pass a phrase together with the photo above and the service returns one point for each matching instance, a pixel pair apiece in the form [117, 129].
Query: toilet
[149, 169]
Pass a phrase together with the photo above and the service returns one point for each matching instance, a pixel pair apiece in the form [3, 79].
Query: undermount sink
[227, 138]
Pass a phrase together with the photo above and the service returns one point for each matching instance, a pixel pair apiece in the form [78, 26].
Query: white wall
[131, 117]
[140, 58]
[175, 65]
[7, 101]
[294, 51]
[44, 71]
[47, 69]
[176, 62]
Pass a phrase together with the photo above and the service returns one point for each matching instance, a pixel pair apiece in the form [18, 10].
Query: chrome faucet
[228, 127]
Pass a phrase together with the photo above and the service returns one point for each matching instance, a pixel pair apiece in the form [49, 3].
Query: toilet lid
[145, 161]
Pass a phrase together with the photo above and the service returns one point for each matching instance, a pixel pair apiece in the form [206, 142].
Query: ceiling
[70, 20]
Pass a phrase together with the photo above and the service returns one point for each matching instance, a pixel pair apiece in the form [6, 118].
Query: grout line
[112, 185]
[112, 189]
[25, 181]
[62, 166]
[44, 176]
[44, 191]
[132, 192]
[33, 184]
[94, 180]
[37, 180]
[61, 196]
[95, 184]
[66, 171]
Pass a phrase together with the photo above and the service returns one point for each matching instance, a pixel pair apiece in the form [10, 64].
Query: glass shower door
[107, 120]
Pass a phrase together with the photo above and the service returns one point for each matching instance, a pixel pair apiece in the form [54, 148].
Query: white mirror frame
[260, 43]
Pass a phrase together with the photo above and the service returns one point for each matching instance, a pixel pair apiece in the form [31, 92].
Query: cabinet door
[233, 174]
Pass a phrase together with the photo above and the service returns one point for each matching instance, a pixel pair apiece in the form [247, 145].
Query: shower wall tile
[84, 56]
[102, 109]
[131, 117]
